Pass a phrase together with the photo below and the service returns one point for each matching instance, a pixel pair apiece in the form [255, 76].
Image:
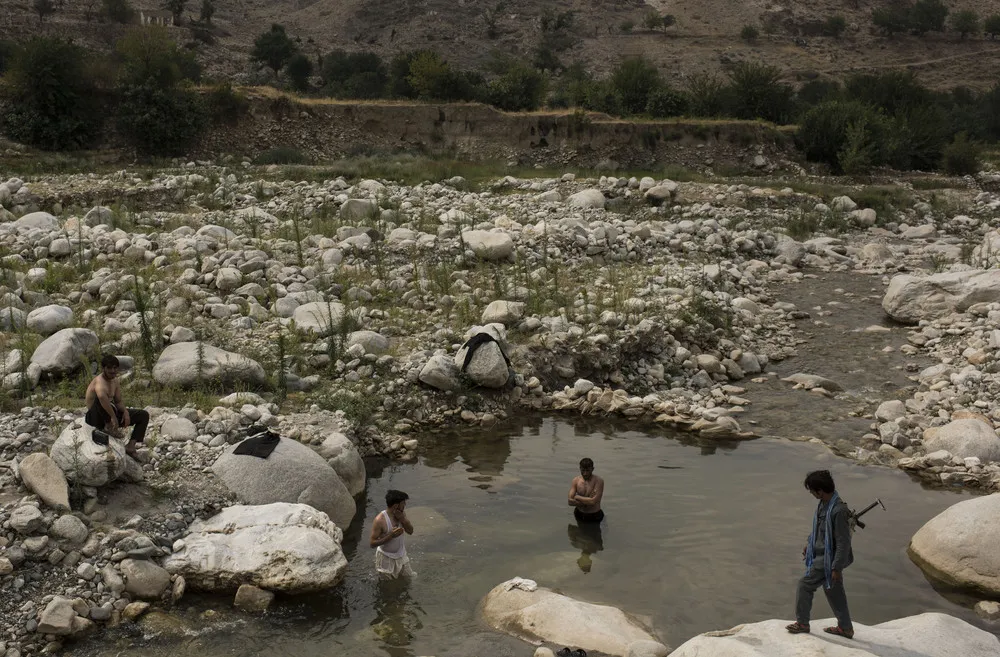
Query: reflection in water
[586, 537]
[397, 616]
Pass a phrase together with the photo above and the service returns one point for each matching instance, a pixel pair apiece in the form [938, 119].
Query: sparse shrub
[299, 68]
[824, 130]
[928, 16]
[357, 75]
[43, 8]
[750, 33]
[891, 91]
[225, 105]
[965, 22]
[917, 137]
[7, 50]
[961, 156]
[991, 26]
[520, 88]
[119, 11]
[665, 102]
[603, 97]
[432, 78]
[207, 11]
[633, 80]
[815, 92]
[273, 48]
[708, 95]
[652, 20]
[175, 7]
[892, 19]
[627, 26]
[834, 26]
[758, 93]
[52, 95]
[281, 155]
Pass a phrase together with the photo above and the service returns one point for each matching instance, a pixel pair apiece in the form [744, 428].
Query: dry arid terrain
[705, 36]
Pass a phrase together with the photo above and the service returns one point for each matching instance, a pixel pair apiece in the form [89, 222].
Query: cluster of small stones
[645, 299]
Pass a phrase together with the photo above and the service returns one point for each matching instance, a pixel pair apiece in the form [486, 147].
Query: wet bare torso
[587, 488]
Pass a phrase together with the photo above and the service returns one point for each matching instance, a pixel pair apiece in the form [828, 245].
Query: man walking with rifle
[827, 554]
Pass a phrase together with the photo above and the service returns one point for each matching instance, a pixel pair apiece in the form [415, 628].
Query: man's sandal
[839, 631]
[797, 628]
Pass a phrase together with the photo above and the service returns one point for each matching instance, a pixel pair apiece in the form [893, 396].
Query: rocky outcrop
[291, 548]
[958, 546]
[519, 608]
[912, 298]
[964, 438]
[292, 473]
[181, 365]
[924, 635]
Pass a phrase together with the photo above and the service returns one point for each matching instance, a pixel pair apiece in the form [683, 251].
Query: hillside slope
[470, 32]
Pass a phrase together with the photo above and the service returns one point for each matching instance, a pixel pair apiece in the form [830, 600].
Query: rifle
[855, 517]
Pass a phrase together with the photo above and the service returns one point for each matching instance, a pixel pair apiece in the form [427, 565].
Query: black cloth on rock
[477, 341]
[98, 418]
[260, 445]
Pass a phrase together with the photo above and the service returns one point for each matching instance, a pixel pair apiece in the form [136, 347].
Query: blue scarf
[827, 542]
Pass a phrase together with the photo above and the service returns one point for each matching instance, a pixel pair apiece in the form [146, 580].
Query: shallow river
[697, 537]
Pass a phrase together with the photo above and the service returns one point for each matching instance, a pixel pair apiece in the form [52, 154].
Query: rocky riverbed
[350, 315]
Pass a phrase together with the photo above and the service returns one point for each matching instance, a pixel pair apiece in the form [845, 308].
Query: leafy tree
[52, 96]
[708, 94]
[652, 20]
[892, 19]
[299, 68]
[633, 80]
[918, 137]
[149, 54]
[119, 11]
[572, 87]
[175, 7]
[749, 33]
[928, 16]
[355, 75]
[834, 26]
[668, 20]
[665, 102]
[990, 112]
[545, 58]
[88, 9]
[428, 72]
[894, 92]
[815, 92]
[207, 11]
[965, 22]
[553, 22]
[992, 25]
[43, 8]
[520, 88]
[399, 72]
[839, 129]
[603, 97]
[961, 156]
[274, 48]
[756, 92]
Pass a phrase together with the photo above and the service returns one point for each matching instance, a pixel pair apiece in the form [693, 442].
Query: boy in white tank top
[387, 537]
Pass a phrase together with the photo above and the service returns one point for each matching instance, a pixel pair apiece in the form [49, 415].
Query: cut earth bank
[338, 311]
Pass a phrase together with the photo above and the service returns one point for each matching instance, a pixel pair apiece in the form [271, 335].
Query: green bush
[917, 138]
[749, 33]
[224, 105]
[666, 102]
[961, 156]
[633, 80]
[432, 78]
[159, 120]
[843, 127]
[273, 48]
[892, 19]
[602, 96]
[991, 25]
[357, 75]
[281, 155]
[891, 91]
[520, 88]
[7, 50]
[299, 68]
[928, 16]
[52, 96]
[990, 112]
[815, 92]
[834, 26]
[756, 92]
[708, 95]
[965, 22]
[627, 26]
[119, 11]
[148, 54]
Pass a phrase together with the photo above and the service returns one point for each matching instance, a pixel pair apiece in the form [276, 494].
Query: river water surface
[698, 537]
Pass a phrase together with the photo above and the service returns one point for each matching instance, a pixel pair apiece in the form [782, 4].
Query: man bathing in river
[827, 553]
[585, 494]
[387, 537]
[105, 410]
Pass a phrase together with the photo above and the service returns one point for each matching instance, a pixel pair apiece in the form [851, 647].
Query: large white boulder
[503, 312]
[440, 372]
[85, 462]
[959, 545]
[487, 367]
[43, 477]
[489, 245]
[49, 319]
[344, 457]
[318, 316]
[587, 199]
[178, 366]
[33, 220]
[924, 635]
[543, 615]
[370, 341]
[65, 351]
[964, 438]
[912, 298]
[291, 473]
[291, 548]
[359, 210]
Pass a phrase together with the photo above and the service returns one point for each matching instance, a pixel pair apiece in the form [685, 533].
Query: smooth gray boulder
[370, 341]
[292, 473]
[358, 210]
[588, 199]
[178, 366]
[26, 519]
[42, 476]
[488, 245]
[344, 457]
[66, 351]
[144, 579]
[440, 372]
[290, 548]
[318, 316]
[85, 462]
[70, 529]
[179, 429]
[924, 635]
[913, 298]
[959, 546]
[40, 220]
[964, 438]
[487, 366]
[660, 194]
[60, 618]
[503, 312]
[49, 319]
[12, 319]
[810, 381]
[98, 216]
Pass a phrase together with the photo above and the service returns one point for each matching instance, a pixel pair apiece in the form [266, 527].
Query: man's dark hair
[586, 464]
[110, 360]
[394, 497]
[820, 481]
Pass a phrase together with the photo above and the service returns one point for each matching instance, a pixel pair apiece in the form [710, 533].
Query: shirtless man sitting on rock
[107, 412]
